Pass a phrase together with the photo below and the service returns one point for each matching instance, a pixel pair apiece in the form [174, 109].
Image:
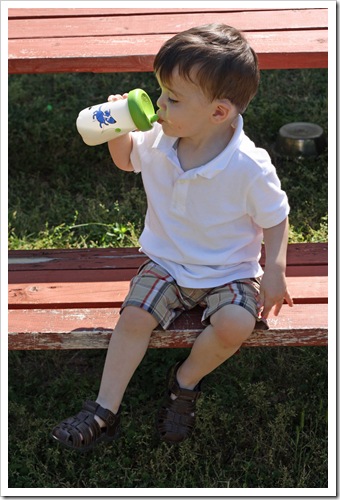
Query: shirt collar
[164, 142]
[168, 145]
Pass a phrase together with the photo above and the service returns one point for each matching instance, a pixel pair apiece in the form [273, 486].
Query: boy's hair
[227, 67]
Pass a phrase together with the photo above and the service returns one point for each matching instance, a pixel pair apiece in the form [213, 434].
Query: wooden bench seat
[118, 40]
[70, 299]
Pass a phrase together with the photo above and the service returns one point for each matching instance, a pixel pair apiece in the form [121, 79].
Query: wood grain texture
[310, 289]
[126, 40]
[70, 299]
[37, 329]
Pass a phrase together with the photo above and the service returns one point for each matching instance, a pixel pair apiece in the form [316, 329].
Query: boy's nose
[161, 102]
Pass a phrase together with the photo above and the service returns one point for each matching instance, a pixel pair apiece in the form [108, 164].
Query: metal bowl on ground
[300, 139]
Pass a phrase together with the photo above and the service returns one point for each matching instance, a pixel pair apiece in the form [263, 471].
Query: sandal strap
[179, 392]
[106, 415]
[185, 394]
[111, 420]
[176, 417]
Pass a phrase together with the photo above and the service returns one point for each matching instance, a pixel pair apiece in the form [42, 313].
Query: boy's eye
[172, 101]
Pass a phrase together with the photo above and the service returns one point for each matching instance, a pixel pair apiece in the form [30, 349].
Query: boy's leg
[127, 347]
[150, 302]
[229, 327]
[100, 420]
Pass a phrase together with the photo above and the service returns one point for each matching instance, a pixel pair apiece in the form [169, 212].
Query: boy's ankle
[190, 386]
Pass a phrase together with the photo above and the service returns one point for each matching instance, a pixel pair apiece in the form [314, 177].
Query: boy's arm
[120, 150]
[121, 147]
[273, 289]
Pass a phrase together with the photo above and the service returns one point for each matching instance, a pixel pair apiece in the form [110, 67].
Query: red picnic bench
[70, 299]
[115, 40]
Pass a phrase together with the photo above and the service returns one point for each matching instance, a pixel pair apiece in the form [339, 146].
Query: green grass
[262, 423]
[263, 417]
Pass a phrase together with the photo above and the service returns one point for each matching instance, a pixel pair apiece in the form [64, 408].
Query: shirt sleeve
[267, 203]
[141, 144]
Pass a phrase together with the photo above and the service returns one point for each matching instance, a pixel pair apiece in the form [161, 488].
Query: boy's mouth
[160, 120]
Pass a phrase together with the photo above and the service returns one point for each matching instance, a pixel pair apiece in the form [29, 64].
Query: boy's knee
[232, 324]
[135, 319]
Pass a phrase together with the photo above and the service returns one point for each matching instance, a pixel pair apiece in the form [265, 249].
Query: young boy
[212, 198]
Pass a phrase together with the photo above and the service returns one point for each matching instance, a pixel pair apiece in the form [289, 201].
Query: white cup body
[104, 122]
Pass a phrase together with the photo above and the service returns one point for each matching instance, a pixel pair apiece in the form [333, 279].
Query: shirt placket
[180, 196]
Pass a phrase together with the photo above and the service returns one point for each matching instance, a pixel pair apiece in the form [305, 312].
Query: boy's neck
[194, 152]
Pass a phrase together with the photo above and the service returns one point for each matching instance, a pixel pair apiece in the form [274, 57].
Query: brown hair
[227, 67]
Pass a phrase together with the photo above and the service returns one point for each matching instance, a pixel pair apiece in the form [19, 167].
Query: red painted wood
[304, 49]
[148, 23]
[118, 274]
[90, 309]
[111, 294]
[71, 276]
[56, 261]
[298, 254]
[77, 12]
[92, 328]
[111, 40]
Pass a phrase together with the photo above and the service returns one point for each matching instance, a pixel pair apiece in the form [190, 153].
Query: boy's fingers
[264, 307]
[266, 311]
[289, 299]
[277, 308]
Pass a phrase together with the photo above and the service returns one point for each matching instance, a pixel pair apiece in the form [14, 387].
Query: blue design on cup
[103, 117]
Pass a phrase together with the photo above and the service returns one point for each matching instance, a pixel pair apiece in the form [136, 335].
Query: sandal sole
[82, 449]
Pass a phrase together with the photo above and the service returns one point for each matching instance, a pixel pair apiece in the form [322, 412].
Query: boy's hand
[273, 292]
[117, 97]
[273, 289]
[120, 147]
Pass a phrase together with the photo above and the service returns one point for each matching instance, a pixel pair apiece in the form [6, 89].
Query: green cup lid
[141, 109]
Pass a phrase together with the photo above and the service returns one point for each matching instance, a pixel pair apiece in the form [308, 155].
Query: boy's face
[184, 110]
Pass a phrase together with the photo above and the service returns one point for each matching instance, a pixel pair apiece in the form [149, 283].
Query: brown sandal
[176, 418]
[82, 432]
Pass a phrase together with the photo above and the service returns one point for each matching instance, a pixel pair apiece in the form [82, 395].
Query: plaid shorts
[155, 290]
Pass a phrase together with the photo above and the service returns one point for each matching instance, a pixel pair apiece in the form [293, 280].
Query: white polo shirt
[204, 225]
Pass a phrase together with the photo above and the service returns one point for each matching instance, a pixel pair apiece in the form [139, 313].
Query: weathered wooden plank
[70, 295]
[23, 13]
[306, 49]
[76, 254]
[91, 328]
[312, 289]
[112, 274]
[71, 275]
[65, 263]
[298, 254]
[170, 23]
[179, 339]
[65, 320]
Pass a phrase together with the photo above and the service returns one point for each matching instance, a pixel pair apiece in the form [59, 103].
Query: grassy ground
[263, 417]
[63, 193]
[262, 423]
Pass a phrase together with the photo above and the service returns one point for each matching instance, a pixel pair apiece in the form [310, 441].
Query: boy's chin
[168, 131]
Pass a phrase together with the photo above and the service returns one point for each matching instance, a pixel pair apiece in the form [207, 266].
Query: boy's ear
[222, 111]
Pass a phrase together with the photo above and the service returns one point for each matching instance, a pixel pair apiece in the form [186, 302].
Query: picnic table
[70, 299]
[45, 40]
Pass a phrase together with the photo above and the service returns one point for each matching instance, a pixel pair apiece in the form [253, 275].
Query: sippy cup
[103, 122]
